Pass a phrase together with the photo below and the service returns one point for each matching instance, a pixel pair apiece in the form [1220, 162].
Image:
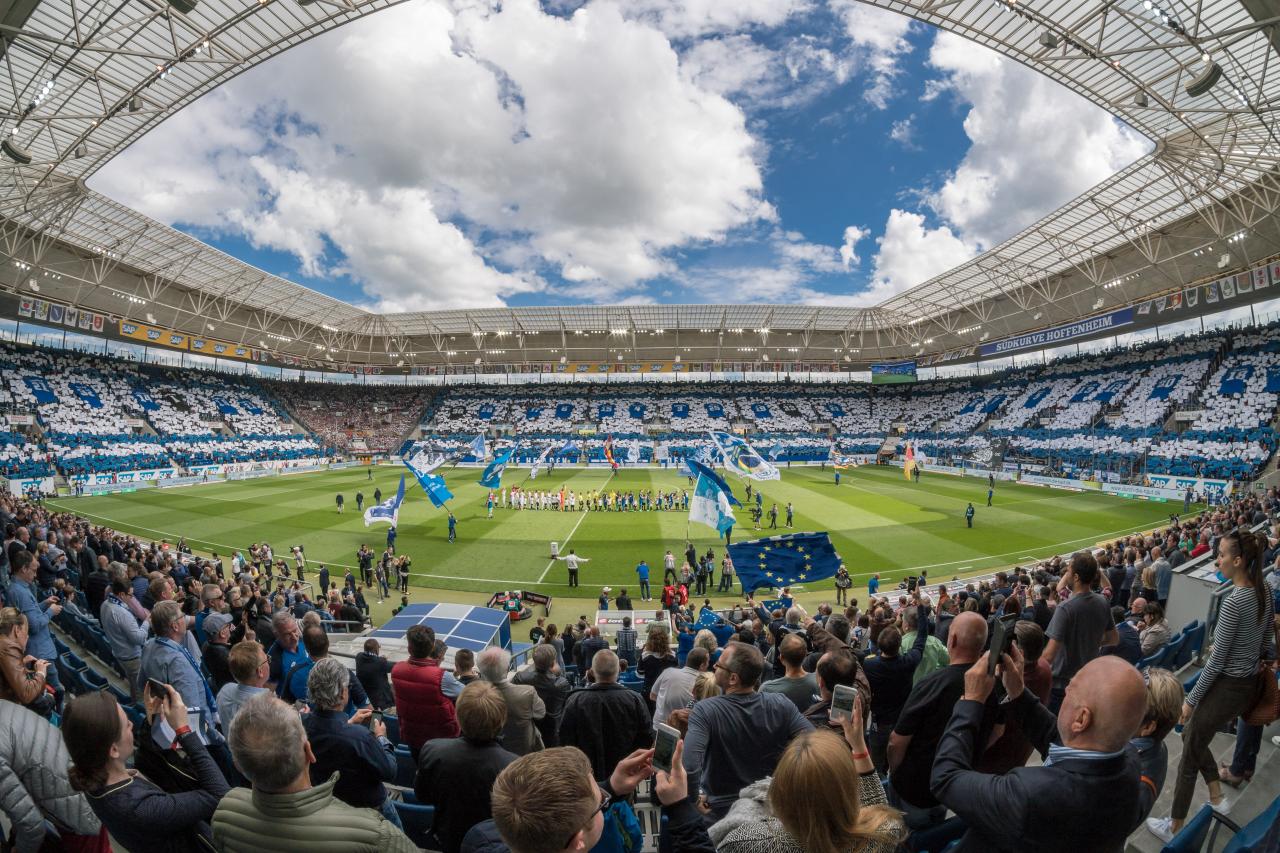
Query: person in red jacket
[668, 596]
[420, 688]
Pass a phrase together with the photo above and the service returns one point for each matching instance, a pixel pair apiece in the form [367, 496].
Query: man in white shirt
[674, 688]
[573, 560]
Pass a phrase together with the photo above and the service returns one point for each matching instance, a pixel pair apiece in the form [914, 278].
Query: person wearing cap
[604, 598]
[217, 650]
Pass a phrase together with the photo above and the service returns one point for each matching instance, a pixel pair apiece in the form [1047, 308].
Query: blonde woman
[823, 798]
[704, 639]
[704, 687]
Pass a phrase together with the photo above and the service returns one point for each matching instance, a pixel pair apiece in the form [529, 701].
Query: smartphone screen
[157, 688]
[842, 700]
[1001, 639]
[374, 719]
[664, 748]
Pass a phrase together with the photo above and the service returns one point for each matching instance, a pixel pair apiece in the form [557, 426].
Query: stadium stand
[1107, 414]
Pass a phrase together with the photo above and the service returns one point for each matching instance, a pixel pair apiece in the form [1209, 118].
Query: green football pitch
[878, 521]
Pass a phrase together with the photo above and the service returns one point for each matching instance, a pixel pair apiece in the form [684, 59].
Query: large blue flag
[741, 458]
[387, 511]
[492, 477]
[477, 447]
[699, 469]
[421, 464]
[779, 561]
[570, 446]
[710, 505]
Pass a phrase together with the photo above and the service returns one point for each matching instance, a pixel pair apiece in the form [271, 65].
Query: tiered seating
[224, 449]
[84, 454]
[20, 457]
[378, 416]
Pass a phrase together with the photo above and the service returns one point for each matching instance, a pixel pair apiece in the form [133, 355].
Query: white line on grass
[552, 562]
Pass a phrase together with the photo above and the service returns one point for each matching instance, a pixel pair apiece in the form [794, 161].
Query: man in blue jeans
[642, 571]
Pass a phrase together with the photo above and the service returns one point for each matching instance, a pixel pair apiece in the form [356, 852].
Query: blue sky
[442, 154]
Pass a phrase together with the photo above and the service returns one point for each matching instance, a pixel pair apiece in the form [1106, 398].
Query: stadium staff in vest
[425, 711]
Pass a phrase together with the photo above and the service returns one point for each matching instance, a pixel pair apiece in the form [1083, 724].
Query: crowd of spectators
[208, 748]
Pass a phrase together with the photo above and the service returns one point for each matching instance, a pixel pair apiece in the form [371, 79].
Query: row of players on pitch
[600, 500]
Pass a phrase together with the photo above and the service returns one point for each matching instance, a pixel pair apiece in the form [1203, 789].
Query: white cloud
[903, 132]
[848, 251]
[688, 18]
[911, 253]
[1034, 143]
[571, 142]
[882, 35]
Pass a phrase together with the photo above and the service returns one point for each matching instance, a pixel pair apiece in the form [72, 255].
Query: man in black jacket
[889, 675]
[372, 669]
[456, 774]
[1088, 769]
[553, 689]
[606, 720]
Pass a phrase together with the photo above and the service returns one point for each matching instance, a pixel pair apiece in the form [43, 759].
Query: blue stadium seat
[1253, 837]
[1194, 633]
[418, 820]
[122, 696]
[406, 767]
[59, 647]
[73, 661]
[392, 722]
[135, 714]
[1171, 651]
[1203, 826]
[93, 680]
[1152, 659]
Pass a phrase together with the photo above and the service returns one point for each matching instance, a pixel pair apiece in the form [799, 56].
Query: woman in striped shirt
[1227, 686]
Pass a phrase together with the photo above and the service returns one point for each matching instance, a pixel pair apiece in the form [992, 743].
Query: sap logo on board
[128, 328]
[154, 334]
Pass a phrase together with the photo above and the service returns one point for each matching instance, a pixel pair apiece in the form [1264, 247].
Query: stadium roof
[82, 80]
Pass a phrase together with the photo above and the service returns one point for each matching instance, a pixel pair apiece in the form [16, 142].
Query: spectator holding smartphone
[140, 816]
[817, 803]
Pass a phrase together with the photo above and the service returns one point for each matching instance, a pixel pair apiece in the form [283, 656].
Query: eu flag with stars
[779, 561]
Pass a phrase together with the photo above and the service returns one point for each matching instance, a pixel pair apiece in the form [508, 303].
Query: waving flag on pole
[698, 468]
[775, 451]
[908, 461]
[704, 454]
[608, 453]
[477, 447]
[709, 504]
[537, 463]
[422, 466]
[492, 477]
[633, 454]
[570, 446]
[388, 511]
[741, 458]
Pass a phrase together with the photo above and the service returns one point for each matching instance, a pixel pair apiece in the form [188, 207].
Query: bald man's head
[1104, 705]
[967, 636]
